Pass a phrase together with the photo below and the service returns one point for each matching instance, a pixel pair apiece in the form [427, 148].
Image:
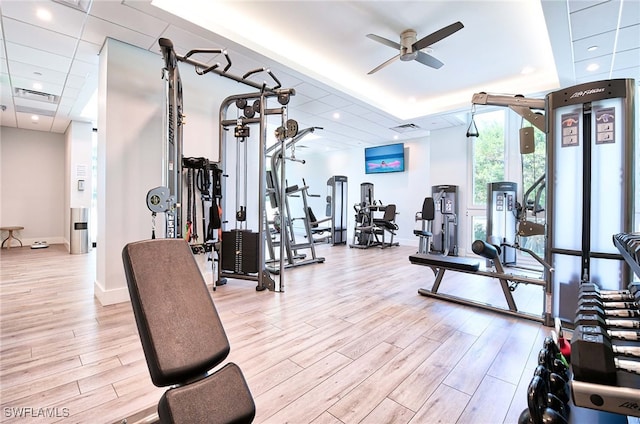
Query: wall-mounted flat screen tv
[383, 159]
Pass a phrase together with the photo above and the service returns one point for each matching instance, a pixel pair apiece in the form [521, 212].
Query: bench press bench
[182, 337]
[439, 264]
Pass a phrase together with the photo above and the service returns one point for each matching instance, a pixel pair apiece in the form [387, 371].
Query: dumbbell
[632, 294]
[606, 305]
[597, 320]
[593, 358]
[542, 406]
[589, 308]
[631, 349]
[631, 243]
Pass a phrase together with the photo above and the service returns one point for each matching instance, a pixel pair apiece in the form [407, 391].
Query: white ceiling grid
[62, 54]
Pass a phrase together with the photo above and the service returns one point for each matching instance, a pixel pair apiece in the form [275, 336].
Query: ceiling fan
[410, 48]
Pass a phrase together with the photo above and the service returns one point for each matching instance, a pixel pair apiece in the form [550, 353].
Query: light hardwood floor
[349, 341]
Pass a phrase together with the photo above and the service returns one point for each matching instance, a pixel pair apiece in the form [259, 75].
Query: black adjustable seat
[314, 222]
[387, 224]
[182, 336]
[426, 216]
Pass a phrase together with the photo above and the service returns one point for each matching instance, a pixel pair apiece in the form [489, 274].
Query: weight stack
[240, 251]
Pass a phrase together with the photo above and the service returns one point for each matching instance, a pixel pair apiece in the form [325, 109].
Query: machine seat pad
[180, 330]
[421, 233]
[448, 262]
[222, 397]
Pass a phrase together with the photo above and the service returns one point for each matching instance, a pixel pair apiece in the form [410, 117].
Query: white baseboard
[110, 297]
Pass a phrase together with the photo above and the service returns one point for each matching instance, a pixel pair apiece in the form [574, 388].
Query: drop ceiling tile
[311, 90]
[24, 54]
[28, 70]
[594, 20]
[629, 38]
[95, 30]
[88, 52]
[83, 69]
[630, 13]
[66, 20]
[75, 81]
[40, 38]
[627, 59]
[604, 41]
[126, 16]
[60, 125]
[603, 62]
[24, 121]
[316, 108]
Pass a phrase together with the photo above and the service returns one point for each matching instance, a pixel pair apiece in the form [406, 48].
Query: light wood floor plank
[445, 406]
[350, 336]
[272, 401]
[490, 402]
[354, 406]
[317, 400]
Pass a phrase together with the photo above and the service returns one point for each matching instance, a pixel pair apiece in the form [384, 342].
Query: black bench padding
[182, 336]
[199, 402]
[449, 262]
[484, 249]
[181, 333]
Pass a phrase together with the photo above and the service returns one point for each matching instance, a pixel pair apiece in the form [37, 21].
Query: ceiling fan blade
[428, 60]
[384, 41]
[437, 36]
[376, 69]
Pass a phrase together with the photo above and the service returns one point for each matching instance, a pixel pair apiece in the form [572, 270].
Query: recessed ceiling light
[43, 14]
[593, 67]
[395, 137]
[336, 115]
[592, 48]
[35, 118]
[37, 86]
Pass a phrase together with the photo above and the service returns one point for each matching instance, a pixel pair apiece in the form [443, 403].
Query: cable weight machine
[243, 250]
[167, 199]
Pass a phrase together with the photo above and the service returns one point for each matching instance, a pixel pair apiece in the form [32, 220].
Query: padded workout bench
[182, 336]
[439, 264]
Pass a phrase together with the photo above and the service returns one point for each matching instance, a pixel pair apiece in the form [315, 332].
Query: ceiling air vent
[25, 93]
[406, 128]
[82, 5]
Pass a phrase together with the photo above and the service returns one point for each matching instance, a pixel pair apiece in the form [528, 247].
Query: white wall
[32, 184]
[440, 158]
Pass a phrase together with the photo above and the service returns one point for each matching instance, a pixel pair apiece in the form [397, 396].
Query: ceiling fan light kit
[411, 49]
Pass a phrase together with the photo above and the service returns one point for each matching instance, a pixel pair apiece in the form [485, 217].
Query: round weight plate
[292, 128]
[256, 106]
[241, 103]
[249, 112]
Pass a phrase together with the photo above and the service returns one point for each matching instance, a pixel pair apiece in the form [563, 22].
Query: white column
[130, 110]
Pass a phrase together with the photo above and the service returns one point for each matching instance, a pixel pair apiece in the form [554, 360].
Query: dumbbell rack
[623, 396]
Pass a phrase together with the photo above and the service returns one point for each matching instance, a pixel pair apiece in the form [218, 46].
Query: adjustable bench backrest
[181, 333]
